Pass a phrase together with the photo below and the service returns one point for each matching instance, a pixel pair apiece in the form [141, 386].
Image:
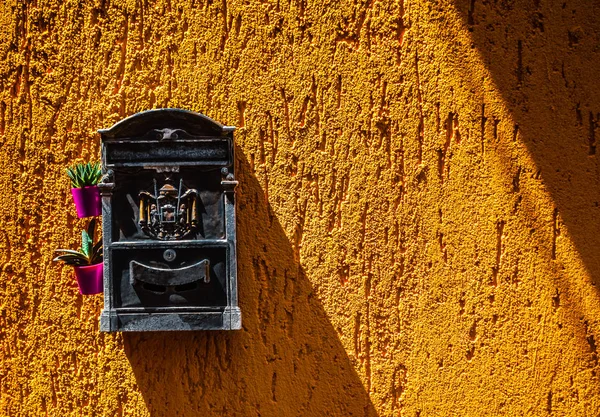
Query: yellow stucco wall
[419, 220]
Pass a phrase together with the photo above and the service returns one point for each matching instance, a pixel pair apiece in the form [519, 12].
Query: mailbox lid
[140, 124]
[167, 137]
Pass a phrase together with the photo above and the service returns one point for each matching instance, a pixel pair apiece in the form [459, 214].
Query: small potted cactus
[87, 262]
[86, 194]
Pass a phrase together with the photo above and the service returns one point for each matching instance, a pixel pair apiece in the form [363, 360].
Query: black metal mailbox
[168, 219]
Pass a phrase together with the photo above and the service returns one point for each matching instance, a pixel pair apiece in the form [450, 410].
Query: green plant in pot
[87, 262]
[84, 180]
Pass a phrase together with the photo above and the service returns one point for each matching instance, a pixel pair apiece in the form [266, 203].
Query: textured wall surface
[419, 220]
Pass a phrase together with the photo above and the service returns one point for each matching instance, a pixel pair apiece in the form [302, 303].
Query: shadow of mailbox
[168, 223]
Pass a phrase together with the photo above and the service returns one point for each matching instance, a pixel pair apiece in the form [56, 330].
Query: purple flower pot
[87, 201]
[89, 278]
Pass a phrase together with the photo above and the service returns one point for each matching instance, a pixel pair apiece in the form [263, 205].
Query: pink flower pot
[89, 278]
[87, 201]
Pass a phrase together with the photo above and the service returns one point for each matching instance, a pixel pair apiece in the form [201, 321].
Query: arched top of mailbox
[143, 123]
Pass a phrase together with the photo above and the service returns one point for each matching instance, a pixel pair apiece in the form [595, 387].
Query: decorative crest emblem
[169, 214]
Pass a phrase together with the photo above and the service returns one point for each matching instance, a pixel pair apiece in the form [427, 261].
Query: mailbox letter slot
[169, 277]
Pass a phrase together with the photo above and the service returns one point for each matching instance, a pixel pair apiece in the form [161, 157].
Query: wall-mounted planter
[168, 222]
[89, 279]
[87, 262]
[87, 201]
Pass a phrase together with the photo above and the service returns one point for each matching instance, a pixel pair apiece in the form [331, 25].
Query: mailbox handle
[169, 277]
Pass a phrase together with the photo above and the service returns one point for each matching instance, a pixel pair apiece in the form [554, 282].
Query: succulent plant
[85, 175]
[89, 254]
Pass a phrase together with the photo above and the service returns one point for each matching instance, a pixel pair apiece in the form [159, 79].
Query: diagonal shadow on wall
[551, 88]
[552, 91]
[286, 361]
